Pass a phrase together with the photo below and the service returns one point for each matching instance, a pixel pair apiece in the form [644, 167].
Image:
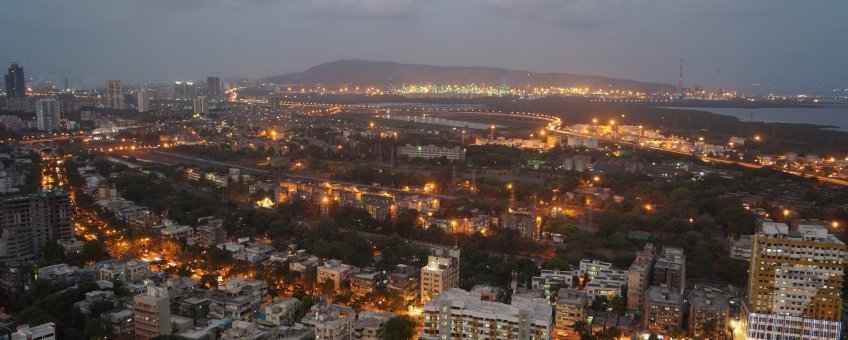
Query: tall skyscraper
[201, 105]
[440, 274]
[213, 87]
[143, 100]
[794, 284]
[114, 95]
[15, 82]
[184, 90]
[47, 116]
[28, 222]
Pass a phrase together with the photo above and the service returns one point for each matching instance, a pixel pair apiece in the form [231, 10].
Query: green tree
[398, 327]
[94, 250]
[52, 253]
[97, 329]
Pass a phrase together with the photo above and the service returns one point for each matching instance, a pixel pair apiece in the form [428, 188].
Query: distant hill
[380, 73]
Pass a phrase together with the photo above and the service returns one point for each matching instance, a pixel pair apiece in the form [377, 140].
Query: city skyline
[411, 169]
[753, 43]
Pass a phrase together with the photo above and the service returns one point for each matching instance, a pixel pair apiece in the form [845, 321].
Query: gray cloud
[789, 43]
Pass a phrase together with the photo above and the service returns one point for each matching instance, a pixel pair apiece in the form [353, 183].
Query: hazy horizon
[788, 47]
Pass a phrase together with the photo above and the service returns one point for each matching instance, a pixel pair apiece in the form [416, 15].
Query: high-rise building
[440, 274]
[152, 313]
[794, 284]
[570, 308]
[15, 82]
[143, 100]
[201, 105]
[708, 313]
[184, 90]
[670, 269]
[114, 95]
[213, 87]
[639, 276]
[458, 314]
[28, 222]
[663, 310]
[47, 116]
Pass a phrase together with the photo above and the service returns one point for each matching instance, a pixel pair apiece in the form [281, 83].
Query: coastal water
[831, 115]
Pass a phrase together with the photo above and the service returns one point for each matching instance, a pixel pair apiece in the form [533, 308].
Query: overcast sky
[788, 45]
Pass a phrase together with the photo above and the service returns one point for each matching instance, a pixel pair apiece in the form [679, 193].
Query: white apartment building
[45, 331]
[456, 314]
[440, 274]
[549, 279]
[608, 283]
[590, 268]
[431, 152]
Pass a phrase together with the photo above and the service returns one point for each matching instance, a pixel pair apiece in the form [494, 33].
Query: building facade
[708, 314]
[639, 275]
[213, 87]
[15, 82]
[47, 115]
[152, 313]
[570, 308]
[431, 152]
[28, 222]
[201, 105]
[143, 100]
[663, 311]
[670, 269]
[794, 284]
[114, 95]
[458, 314]
[440, 274]
[184, 90]
[331, 321]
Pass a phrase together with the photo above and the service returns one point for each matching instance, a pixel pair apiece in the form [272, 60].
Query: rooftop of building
[540, 310]
[572, 296]
[807, 232]
[705, 297]
[659, 294]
